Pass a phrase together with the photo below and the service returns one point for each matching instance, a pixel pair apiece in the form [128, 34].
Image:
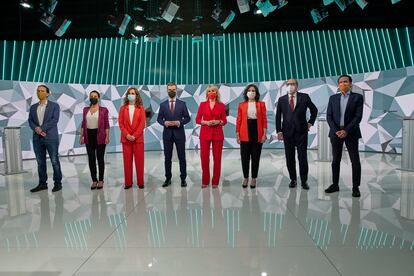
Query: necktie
[292, 103]
[172, 106]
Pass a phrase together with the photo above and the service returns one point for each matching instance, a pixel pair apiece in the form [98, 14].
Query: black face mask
[93, 101]
[171, 94]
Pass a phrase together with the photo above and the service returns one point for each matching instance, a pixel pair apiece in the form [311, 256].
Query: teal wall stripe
[238, 58]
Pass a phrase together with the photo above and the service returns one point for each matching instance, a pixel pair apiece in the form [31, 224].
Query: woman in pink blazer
[211, 116]
[94, 133]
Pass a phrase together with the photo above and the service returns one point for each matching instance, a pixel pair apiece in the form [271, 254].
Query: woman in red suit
[251, 129]
[132, 123]
[211, 116]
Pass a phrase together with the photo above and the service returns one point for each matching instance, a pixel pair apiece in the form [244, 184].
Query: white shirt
[41, 112]
[251, 110]
[131, 112]
[92, 120]
[295, 95]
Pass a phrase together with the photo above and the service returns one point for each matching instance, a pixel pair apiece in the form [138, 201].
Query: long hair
[138, 99]
[215, 88]
[247, 88]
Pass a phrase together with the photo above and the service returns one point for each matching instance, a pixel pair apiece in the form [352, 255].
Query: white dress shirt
[41, 112]
[92, 120]
[251, 110]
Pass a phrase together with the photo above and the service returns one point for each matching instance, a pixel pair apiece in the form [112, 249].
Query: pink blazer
[103, 124]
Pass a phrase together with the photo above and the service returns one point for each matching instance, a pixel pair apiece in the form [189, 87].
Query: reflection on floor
[272, 230]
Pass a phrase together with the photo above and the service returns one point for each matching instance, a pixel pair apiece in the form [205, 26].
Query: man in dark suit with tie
[43, 120]
[173, 115]
[344, 115]
[294, 129]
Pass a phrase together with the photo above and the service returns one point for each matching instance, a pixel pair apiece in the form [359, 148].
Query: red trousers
[129, 151]
[205, 160]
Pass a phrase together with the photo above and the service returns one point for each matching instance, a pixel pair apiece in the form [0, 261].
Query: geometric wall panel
[388, 97]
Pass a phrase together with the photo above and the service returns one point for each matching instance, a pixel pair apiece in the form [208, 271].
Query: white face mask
[251, 95]
[290, 89]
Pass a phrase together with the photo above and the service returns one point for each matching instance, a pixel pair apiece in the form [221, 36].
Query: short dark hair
[47, 88]
[171, 84]
[247, 88]
[347, 76]
[96, 92]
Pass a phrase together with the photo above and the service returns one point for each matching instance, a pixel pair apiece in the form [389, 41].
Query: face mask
[93, 101]
[41, 95]
[211, 95]
[131, 98]
[172, 94]
[291, 89]
[251, 95]
[344, 87]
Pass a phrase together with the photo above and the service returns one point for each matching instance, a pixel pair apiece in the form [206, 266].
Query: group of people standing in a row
[344, 114]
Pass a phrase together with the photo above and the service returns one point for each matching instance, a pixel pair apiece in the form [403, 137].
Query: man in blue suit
[43, 120]
[173, 115]
[344, 115]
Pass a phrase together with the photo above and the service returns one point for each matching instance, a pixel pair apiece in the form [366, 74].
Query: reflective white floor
[272, 230]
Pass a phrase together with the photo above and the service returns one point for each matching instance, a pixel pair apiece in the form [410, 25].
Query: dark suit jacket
[180, 114]
[294, 122]
[353, 114]
[50, 120]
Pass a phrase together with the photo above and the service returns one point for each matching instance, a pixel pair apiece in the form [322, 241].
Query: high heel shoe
[100, 185]
[94, 185]
[244, 184]
[253, 182]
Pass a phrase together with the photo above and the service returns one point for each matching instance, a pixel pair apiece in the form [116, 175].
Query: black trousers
[352, 147]
[300, 142]
[95, 152]
[251, 151]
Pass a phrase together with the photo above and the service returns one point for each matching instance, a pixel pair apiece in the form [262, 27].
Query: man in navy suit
[173, 115]
[344, 115]
[43, 120]
[294, 129]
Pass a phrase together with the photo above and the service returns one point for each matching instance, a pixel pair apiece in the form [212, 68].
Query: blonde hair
[215, 88]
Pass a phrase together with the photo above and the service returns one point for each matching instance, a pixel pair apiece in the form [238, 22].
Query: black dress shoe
[356, 192]
[56, 188]
[141, 186]
[305, 185]
[127, 187]
[332, 189]
[38, 188]
[292, 184]
[166, 183]
[183, 183]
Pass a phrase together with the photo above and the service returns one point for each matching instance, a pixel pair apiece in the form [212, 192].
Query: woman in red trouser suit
[132, 123]
[211, 116]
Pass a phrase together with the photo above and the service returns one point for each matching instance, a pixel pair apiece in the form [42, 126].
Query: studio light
[170, 11]
[243, 5]
[361, 3]
[223, 17]
[138, 27]
[319, 14]
[197, 36]
[395, 1]
[268, 6]
[120, 22]
[26, 4]
[218, 35]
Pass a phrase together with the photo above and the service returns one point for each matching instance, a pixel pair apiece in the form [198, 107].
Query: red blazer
[241, 124]
[135, 129]
[207, 114]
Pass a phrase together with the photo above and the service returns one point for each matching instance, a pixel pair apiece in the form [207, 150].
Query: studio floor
[272, 230]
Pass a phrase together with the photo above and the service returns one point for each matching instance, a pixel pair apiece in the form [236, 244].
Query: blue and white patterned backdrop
[389, 96]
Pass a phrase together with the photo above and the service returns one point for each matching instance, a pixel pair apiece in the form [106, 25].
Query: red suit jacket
[241, 124]
[135, 129]
[207, 114]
